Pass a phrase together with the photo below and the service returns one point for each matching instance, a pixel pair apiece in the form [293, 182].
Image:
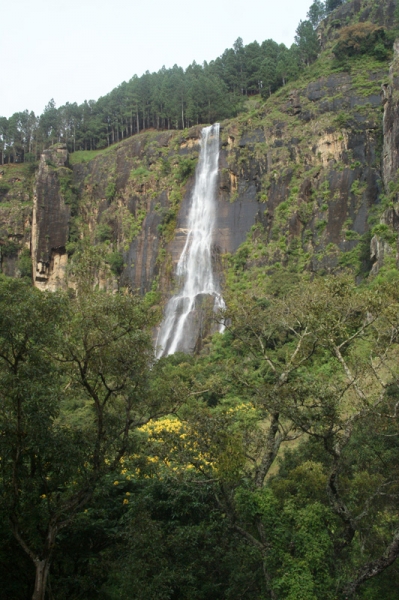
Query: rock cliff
[50, 220]
[384, 244]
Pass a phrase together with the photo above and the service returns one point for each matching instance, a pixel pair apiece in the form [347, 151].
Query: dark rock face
[310, 171]
[251, 138]
[233, 221]
[381, 248]
[391, 121]
[142, 266]
[50, 226]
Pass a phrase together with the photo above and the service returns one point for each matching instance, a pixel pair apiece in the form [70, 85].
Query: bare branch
[375, 567]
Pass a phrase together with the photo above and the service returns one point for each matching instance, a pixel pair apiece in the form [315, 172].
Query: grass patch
[84, 156]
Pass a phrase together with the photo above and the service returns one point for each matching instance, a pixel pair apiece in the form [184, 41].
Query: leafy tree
[333, 4]
[316, 12]
[49, 123]
[175, 543]
[291, 367]
[308, 44]
[25, 264]
[269, 77]
[74, 384]
[287, 64]
[116, 262]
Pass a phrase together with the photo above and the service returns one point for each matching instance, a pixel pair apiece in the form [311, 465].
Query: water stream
[194, 270]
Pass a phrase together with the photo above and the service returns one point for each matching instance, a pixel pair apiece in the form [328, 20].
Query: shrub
[4, 188]
[9, 248]
[25, 263]
[103, 232]
[362, 38]
[140, 173]
[185, 168]
[116, 263]
[110, 191]
[165, 167]
[70, 247]
[331, 5]
[167, 221]
[69, 192]
[385, 233]
[342, 120]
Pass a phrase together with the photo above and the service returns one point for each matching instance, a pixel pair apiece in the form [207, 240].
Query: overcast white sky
[76, 50]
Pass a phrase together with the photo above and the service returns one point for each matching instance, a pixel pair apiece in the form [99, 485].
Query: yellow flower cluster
[166, 425]
[185, 440]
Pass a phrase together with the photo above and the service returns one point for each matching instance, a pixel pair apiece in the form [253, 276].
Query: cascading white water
[194, 268]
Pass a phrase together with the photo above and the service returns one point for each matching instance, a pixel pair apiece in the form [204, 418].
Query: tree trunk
[375, 567]
[42, 570]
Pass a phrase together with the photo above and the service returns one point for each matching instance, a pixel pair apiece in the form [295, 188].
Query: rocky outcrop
[390, 92]
[383, 244]
[238, 208]
[305, 169]
[50, 223]
[309, 164]
[16, 194]
[380, 13]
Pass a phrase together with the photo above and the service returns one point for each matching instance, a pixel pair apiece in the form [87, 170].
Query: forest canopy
[266, 467]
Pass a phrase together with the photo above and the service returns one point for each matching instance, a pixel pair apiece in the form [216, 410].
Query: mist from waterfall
[194, 270]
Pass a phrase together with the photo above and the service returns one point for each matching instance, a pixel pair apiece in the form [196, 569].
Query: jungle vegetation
[265, 467]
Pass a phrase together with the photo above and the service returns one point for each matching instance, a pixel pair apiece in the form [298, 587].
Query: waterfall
[194, 269]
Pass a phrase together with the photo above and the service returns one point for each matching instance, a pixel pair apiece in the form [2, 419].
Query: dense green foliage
[363, 38]
[73, 386]
[274, 475]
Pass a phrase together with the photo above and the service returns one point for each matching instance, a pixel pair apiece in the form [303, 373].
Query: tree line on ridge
[173, 98]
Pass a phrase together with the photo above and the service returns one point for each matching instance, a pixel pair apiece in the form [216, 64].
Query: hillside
[303, 167]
